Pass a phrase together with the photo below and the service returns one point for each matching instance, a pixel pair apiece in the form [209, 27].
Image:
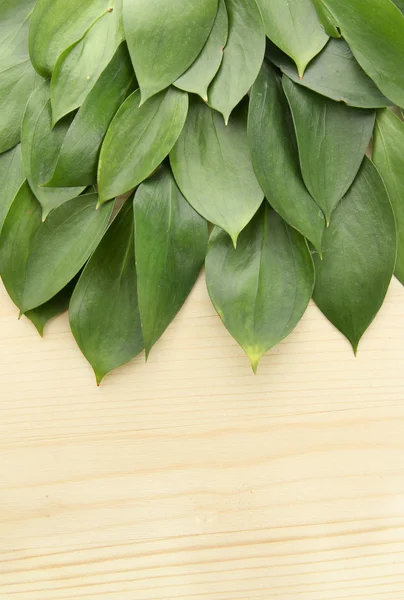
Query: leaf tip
[99, 376]
[255, 358]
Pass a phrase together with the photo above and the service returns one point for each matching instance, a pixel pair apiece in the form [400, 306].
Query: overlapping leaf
[326, 19]
[11, 178]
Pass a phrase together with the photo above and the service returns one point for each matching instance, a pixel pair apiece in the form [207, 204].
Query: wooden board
[189, 478]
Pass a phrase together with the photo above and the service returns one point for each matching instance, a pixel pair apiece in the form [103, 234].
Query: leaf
[59, 304]
[55, 25]
[326, 19]
[242, 57]
[202, 71]
[128, 158]
[295, 28]
[332, 139]
[40, 148]
[213, 169]
[171, 240]
[388, 153]
[359, 252]
[78, 158]
[376, 38]
[81, 64]
[333, 73]
[11, 178]
[261, 289]
[275, 157]
[104, 312]
[61, 247]
[164, 38]
[399, 4]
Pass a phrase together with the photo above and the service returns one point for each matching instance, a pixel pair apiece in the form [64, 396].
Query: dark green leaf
[388, 155]
[139, 139]
[40, 149]
[359, 252]
[213, 169]
[332, 139]
[200, 74]
[59, 304]
[326, 19]
[164, 38]
[242, 57]
[61, 247]
[104, 312]
[399, 4]
[171, 241]
[275, 157]
[334, 73]
[262, 288]
[78, 159]
[295, 28]
[11, 178]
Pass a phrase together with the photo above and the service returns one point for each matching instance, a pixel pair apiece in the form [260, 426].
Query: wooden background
[190, 478]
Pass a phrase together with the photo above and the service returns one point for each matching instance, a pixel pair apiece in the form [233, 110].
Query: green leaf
[138, 140]
[11, 178]
[262, 288]
[399, 4]
[55, 25]
[388, 154]
[78, 158]
[376, 38]
[164, 38]
[40, 148]
[275, 157]
[332, 139]
[59, 304]
[242, 57]
[61, 247]
[359, 253]
[171, 240]
[79, 66]
[333, 73]
[104, 312]
[201, 73]
[326, 19]
[295, 28]
[213, 169]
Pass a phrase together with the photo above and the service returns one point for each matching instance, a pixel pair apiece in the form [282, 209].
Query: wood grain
[189, 478]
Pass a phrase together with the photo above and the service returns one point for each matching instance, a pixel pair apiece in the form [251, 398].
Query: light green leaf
[57, 24]
[104, 313]
[171, 240]
[242, 57]
[200, 74]
[59, 304]
[11, 178]
[164, 38]
[359, 253]
[275, 157]
[79, 66]
[78, 158]
[326, 19]
[40, 149]
[213, 169]
[61, 247]
[332, 139]
[333, 73]
[138, 140]
[294, 27]
[388, 155]
[376, 37]
[261, 289]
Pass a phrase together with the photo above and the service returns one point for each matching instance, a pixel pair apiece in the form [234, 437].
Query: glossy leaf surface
[262, 288]
[388, 155]
[104, 313]
[171, 240]
[242, 57]
[78, 158]
[11, 178]
[275, 157]
[139, 139]
[164, 38]
[220, 183]
[332, 139]
[294, 27]
[57, 305]
[359, 253]
[61, 247]
[334, 73]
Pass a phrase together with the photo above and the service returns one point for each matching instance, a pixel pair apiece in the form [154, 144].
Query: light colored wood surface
[190, 478]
